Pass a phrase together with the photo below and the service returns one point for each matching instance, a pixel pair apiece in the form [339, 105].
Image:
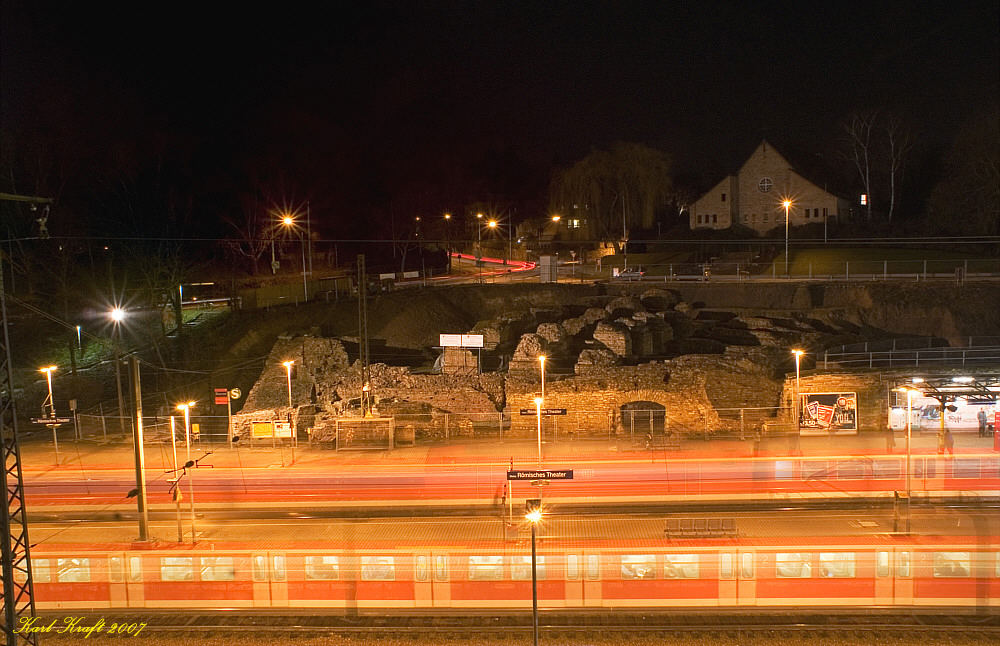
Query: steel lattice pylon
[18, 587]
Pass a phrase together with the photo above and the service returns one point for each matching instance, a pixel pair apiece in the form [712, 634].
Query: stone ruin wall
[726, 362]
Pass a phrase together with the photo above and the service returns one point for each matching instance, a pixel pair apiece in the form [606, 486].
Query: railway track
[943, 621]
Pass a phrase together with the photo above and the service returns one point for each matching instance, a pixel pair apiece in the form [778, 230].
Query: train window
[952, 564]
[903, 564]
[997, 571]
[73, 570]
[836, 565]
[885, 469]
[485, 568]
[116, 569]
[680, 566]
[792, 565]
[278, 567]
[259, 568]
[572, 566]
[173, 568]
[882, 563]
[134, 569]
[324, 568]
[784, 469]
[851, 470]
[926, 468]
[520, 568]
[378, 568]
[638, 566]
[815, 469]
[592, 567]
[217, 568]
[440, 567]
[40, 571]
[421, 571]
[726, 565]
[746, 565]
[965, 468]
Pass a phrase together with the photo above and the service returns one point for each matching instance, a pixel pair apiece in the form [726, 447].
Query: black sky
[362, 105]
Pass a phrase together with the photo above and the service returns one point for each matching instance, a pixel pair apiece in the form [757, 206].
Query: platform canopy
[977, 389]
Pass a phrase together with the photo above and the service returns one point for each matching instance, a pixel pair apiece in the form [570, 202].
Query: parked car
[632, 273]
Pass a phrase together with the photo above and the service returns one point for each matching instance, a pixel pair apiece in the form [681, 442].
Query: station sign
[540, 474]
[221, 396]
[51, 420]
[545, 411]
[460, 340]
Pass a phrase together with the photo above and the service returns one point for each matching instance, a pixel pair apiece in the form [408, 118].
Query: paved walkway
[38, 454]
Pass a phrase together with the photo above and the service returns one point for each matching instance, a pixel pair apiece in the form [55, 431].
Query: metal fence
[848, 270]
[915, 358]
[637, 426]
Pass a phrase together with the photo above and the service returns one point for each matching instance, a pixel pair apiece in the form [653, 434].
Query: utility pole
[140, 456]
[363, 356]
[15, 564]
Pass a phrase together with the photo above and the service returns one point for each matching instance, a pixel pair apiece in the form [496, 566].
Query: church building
[754, 197]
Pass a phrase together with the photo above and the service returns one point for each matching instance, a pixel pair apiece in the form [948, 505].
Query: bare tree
[899, 143]
[255, 232]
[860, 129]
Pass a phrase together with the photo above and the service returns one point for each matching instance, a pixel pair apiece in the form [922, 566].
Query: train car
[832, 572]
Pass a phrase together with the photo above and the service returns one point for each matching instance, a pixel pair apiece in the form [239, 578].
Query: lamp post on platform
[534, 516]
[186, 408]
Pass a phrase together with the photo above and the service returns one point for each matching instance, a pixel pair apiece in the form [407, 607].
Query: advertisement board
[262, 429]
[829, 413]
[925, 414]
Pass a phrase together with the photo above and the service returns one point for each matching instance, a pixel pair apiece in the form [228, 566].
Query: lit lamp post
[117, 317]
[493, 224]
[289, 222]
[447, 238]
[188, 465]
[479, 244]
[52, 407]
[534, 516]
[541, 371]
[177, 492]
[787, 204]
[798, 393]
[909, 407]
[288, 376]
[538, 414]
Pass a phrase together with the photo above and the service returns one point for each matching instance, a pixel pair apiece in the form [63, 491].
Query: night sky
[417, 106]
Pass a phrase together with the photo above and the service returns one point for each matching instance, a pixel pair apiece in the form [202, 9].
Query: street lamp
[289, 222]
[534, 516]
[288, 376]
[479, 244]
[798, 415]
[117, 315]
[177, 496]
[52, 408]
[787, 204]
[186, 408]
[447, 238]
[538, 414]
[909, 407]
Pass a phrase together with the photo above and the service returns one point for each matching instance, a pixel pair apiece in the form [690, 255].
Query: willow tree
[618, 189]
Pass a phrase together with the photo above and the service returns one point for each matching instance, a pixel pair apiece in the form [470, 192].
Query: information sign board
[545, 411]
[51, 420]
[460, 340]
[282, 429]
[540, 474]
[262, 429]
[221, 396]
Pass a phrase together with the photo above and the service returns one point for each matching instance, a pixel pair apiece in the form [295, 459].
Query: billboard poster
[835, 413]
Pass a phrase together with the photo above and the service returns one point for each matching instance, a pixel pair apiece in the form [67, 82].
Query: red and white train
[873, 571]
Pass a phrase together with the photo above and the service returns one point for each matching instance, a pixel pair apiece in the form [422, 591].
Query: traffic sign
[540, 474]
[545, 411]
[51, 420]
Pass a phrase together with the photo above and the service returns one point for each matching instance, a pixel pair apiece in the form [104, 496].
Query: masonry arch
[643, 417]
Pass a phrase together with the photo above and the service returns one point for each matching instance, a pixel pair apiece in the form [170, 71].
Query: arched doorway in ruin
[640, 418]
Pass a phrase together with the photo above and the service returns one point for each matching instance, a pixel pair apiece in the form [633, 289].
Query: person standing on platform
[981, 416]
